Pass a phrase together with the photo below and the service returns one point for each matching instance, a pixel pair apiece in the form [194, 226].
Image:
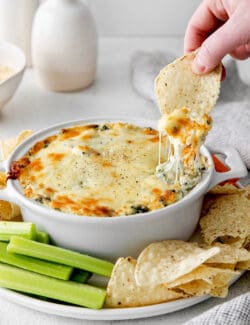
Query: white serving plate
[59, 309]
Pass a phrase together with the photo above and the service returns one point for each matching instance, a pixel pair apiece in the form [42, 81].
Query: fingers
[242, 52]
[203, 22]
[217, 45]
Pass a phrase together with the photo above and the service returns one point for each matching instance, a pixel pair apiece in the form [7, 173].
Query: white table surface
[34, 107]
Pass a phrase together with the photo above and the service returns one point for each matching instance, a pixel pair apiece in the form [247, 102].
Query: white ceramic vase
[16, 17]
[64, 45]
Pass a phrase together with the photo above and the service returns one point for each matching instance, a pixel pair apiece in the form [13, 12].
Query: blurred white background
[142, 17]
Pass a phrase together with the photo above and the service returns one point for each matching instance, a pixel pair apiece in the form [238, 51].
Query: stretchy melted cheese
[96, 170]
[186, 133]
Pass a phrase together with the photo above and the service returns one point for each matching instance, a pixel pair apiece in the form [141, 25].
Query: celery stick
[11, 228]
[33, 264]
[42, 237]
[20, 245]
[80, 276]
[4, 237]
[76, 293]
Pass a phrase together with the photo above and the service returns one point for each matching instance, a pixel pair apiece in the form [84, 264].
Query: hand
[218, 27]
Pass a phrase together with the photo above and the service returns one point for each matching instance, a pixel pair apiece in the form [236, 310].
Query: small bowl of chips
[12, 66]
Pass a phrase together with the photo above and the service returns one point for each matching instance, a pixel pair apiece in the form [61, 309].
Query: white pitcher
[16, 17]
[64, 45]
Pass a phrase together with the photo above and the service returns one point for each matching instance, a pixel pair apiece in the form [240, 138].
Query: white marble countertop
[33, 107]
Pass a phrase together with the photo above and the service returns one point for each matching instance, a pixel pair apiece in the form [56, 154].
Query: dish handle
[5, 193]
[233, 161]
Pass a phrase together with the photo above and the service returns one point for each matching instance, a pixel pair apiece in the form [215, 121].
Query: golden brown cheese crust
[96, 170]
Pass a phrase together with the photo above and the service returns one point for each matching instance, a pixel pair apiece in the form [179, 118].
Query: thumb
[223, 41]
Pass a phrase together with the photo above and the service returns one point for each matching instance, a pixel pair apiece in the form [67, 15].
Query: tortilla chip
[229, 255]
[178, 86]
[226, 188]
[122, 290]
[246, 243]
[3, 180]
[8, 210]
[9, 145]
[220, 292]
[214, 276]
[197, 237]
[209, 199]
[243, 265]
[200, 288]
[228, 219]
[229, 266]
[195, 288]
[205, 280]
[163, 262]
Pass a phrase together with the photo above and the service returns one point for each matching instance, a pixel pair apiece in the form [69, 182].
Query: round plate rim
[78, 312]
[102, 314]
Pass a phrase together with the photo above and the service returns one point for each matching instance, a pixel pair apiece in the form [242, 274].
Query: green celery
[20, 245]
[33, 264]
[15, 228]
[67, 291]
[80, 276]
[42, 237]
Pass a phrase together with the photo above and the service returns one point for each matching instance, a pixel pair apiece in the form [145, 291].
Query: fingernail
[198, 67]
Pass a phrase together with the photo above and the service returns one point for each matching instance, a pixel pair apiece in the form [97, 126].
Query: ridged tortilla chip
[166, 261]
[228, 219]
[178, 86]
[122, 290]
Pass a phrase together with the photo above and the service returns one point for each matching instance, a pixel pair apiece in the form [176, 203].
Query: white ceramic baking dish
[110, 237]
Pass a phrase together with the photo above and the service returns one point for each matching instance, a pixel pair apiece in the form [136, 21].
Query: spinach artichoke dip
[186, 132]
[101, 170]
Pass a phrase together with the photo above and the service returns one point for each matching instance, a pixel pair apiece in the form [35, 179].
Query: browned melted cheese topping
[96, 170]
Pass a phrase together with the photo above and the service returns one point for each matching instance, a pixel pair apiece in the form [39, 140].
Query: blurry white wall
[142, 17]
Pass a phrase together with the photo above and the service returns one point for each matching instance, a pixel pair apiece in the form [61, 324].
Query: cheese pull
[185, 135]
